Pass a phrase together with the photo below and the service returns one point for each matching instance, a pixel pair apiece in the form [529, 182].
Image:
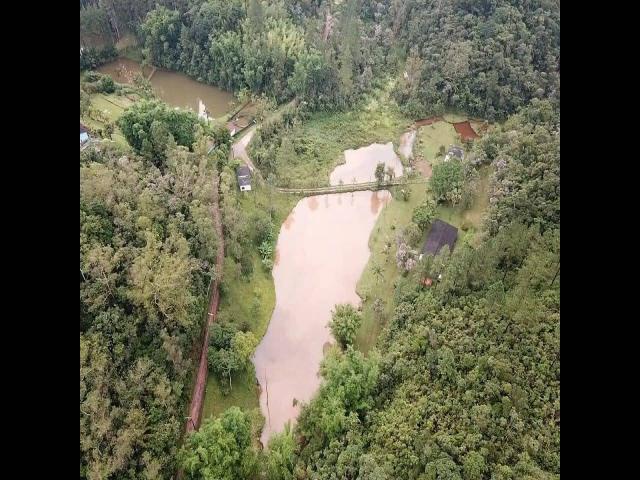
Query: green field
[431, 137]
[309, 152]
[393, 218]
[111, 106]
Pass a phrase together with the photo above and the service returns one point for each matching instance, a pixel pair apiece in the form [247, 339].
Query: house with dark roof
[441, 234]
[244, 178]
[454, 151]
[84, 135]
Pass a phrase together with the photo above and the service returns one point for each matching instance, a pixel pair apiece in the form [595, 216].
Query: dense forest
[464, 380]
[484, 58]
[147, 255]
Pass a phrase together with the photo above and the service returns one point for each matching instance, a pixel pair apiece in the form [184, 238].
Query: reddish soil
[465, 130]
[428, 121]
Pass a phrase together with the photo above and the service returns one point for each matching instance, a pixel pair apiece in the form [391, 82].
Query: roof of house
[456, 151]
[441, 234]
[83, 129]
[244, 175]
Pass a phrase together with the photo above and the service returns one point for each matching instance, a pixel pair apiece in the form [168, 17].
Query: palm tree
[377, 271]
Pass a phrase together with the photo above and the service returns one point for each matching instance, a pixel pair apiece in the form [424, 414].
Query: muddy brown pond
[360, 164]
[322, 250]
[174, 88]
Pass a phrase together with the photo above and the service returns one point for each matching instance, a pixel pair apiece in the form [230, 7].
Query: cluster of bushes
[92, 57]
[268, 137]
[152, 128]
[94, 82]
[230, 350]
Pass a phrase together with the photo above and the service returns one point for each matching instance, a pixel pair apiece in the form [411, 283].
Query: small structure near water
[244, 178]
[441, 234]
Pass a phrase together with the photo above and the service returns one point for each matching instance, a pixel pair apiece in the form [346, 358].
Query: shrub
[344, 324]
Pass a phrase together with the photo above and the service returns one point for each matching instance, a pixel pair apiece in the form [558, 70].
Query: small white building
[84, 135]
[244, 178]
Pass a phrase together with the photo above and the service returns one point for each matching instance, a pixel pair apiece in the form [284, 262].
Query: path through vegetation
[195, 410]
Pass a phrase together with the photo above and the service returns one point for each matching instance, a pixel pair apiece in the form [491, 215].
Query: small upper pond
[360, 165]
[177, 89]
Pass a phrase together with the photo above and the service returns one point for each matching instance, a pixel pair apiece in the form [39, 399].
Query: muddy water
[322, 250]
[406, 144]
[360, 164]
[174, 88]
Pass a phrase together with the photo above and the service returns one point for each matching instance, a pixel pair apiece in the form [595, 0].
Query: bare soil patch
[465, 130]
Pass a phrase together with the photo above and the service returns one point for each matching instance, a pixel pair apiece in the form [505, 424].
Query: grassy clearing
[431, 137]
[112, 107]
[309, 152]
[393, 218]
[244, 394]
[236, 304]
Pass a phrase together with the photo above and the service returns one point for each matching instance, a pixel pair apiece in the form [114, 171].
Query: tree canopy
[147, 256]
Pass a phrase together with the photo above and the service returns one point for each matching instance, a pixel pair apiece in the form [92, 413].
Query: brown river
[322, 250]
[175, 88]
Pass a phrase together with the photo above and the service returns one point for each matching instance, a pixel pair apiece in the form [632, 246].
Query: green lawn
[112, 106]
[393, 218]
[236, 304]
[244, 394]
[309, 152]
[431, 137]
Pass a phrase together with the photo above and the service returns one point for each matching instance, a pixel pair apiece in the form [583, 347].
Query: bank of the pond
[381, 270]
[378, 276]
[239, 294]
[310, 151]
[176, 89]
[322, 250]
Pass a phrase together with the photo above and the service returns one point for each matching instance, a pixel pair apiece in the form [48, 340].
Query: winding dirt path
[239, 149]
